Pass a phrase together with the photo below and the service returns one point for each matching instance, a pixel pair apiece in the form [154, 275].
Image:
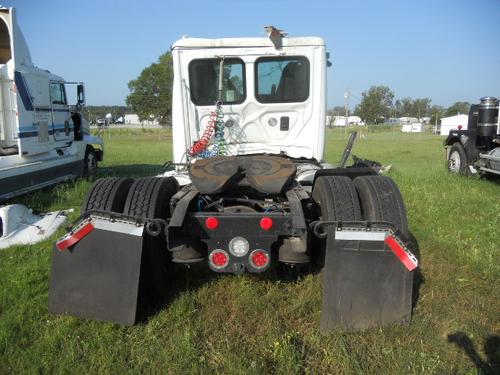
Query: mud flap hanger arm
[368, 231]
[86, 223]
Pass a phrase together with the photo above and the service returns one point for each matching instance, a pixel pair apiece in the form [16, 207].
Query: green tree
[376, 104]
[458, 108]
[151, 93]
[408, 107]
[421, 107]
[337, 111]
[436, 112]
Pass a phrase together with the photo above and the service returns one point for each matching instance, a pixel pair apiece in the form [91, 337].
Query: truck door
[60, 115]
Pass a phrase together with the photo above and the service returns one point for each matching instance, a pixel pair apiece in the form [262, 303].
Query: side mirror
[80, 93]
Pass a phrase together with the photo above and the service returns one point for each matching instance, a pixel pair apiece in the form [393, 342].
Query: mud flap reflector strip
[75, 235]
[404, 255]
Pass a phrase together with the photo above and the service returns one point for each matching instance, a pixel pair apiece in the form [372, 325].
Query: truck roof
[188, 42]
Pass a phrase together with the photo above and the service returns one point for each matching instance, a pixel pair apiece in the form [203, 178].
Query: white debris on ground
[20, 226]
[385, 169]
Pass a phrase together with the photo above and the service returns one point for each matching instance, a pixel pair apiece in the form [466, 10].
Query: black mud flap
[364, 285]
[100, 276]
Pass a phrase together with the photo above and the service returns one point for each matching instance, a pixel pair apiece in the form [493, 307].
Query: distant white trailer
[355, 120]
[412, 128]
[457, 122]
[339, 121]
[133, 119]
[408, 120]
[351, 120]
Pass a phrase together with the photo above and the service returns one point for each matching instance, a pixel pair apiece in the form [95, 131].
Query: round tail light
[266, 223]
[211, 223]
[259, 259]
[219, 259]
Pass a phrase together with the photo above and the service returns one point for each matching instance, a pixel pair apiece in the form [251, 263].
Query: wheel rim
[91, 163]
[454, 162]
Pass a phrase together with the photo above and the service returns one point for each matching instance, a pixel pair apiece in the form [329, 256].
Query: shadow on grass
[181, 278]
[491, 365]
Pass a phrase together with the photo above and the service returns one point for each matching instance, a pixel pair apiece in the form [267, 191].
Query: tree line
[378, 105]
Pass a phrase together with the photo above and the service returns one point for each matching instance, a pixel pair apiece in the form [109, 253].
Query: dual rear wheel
[371, 198]
[147, 198]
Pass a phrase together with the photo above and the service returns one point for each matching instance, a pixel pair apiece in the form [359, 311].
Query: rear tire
[149, 197]
[338, 201]
[337, 198]
[457, 160]
[107, 194]
[381, 200]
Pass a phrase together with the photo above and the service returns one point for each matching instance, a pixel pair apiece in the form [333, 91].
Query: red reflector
[211, 223]
[219, 258]
[259, 258]
[72, 238]
[266, 223]
[407, 258]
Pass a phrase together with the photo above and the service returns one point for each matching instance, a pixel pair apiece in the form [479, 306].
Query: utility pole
[346, 97]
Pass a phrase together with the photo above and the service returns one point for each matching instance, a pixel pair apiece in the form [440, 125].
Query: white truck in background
[43, 139]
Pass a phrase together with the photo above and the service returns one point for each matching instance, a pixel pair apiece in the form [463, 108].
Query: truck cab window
[204, 81]
[282, 79]
[57, 93]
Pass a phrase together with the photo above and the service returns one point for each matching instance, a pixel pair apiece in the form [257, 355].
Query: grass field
[260, 325]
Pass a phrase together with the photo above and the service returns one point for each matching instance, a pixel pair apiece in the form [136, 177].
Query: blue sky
[447, 50]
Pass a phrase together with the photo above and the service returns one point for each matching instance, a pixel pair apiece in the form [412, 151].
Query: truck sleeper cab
[43, 140]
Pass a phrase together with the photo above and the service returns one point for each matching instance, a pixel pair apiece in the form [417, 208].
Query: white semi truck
[43, 139]
[247, 191]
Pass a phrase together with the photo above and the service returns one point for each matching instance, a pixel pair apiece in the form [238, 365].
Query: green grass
[258, 325]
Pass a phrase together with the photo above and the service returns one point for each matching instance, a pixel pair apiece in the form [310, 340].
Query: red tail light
[211, 223]
[259, 258]
[266, 223]
[219, 259]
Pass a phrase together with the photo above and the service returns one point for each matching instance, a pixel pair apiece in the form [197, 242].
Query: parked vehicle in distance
[476, 150]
